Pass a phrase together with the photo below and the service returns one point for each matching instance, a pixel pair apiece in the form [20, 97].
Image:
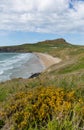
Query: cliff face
[7, 49]
[12, 49]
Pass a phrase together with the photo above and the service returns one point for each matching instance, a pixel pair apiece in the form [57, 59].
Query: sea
[19, 65]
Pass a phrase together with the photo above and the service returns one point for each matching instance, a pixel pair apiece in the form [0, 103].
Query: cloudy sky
[30, 21]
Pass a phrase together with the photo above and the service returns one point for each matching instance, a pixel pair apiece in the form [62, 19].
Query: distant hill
[40, 46]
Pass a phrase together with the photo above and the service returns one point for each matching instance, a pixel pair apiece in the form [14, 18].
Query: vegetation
[26, 105]
[43, 106]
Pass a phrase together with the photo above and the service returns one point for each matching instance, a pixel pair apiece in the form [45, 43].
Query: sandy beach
[47, 60]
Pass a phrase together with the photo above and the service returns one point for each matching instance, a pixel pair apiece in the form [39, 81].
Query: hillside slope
[68, 76]
[70, 72]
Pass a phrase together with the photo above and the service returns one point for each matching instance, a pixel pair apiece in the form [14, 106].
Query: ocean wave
[1, 72]
[18, 65]
[9, 62]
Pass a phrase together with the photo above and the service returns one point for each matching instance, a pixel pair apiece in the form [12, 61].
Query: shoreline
[47, 60]
[38, 63]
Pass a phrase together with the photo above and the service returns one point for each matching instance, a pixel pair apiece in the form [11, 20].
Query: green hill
[40, 46]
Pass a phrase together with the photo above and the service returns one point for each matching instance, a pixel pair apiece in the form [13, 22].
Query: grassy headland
[66, 109]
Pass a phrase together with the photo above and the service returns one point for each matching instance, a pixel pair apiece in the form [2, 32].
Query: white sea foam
[1, 72]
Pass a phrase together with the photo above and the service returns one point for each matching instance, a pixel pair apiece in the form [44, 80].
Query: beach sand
[47, 60]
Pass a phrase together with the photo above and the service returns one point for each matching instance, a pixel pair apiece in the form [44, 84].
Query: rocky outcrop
[34, 75]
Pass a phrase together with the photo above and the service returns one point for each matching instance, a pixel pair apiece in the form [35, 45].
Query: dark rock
[34, 75]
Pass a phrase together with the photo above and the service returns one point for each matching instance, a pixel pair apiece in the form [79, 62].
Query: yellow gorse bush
[40, 105]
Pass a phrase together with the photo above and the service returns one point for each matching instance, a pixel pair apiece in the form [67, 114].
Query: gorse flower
[41, 105]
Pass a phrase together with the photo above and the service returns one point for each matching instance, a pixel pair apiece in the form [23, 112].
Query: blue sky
[30, 21]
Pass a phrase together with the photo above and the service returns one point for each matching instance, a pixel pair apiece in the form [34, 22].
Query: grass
[72, 68]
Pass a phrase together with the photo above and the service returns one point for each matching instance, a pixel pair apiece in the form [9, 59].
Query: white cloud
[55, 16]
